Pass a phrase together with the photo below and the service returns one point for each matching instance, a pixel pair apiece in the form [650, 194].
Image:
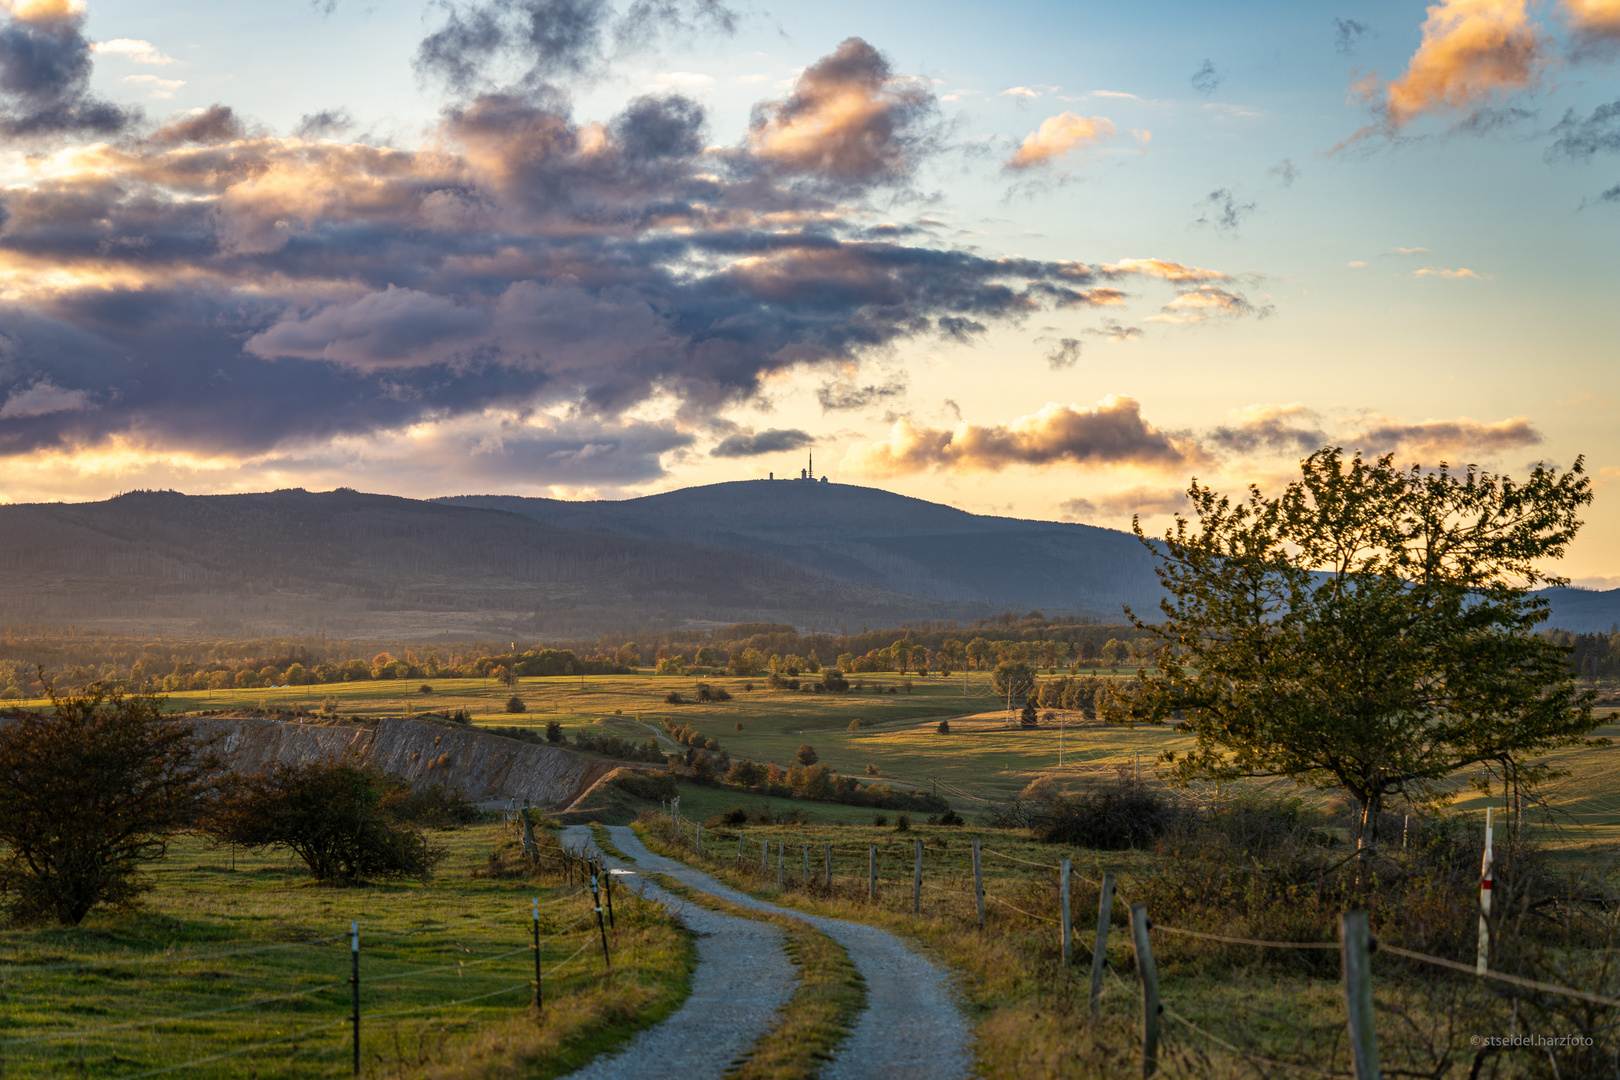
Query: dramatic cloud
[765, 442]
[1060, 135]
[1346, 33]
[1115, 505]
[42, 399]
[849, 121]
[1206, 80]
[1112, 433]
[1473, 52]
[1594, 25]
[45, 73]
[1065, 354]
[1273, 428]
[1223, 210]
[1432, 441]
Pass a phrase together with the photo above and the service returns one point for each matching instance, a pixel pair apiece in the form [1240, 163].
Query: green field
[176, 981]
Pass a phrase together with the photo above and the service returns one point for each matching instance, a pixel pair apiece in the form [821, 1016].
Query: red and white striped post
[1485, 901]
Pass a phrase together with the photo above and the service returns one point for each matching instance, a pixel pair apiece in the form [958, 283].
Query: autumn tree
[1372, 630]
[88, 794]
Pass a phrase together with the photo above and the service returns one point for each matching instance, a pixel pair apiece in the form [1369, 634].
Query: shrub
[944, 727]
[89, 794]
[1028, 717]
[646, 785]
[334, 815]
[854, 725]
[902, 822]
[873, 770]
[459, 716]
[424, 689]
[329, 706]
[738, 725]
[748, 687]
[950, 817]
[1125, 814]
[735, 816]
[435, 805]
[674, 698]
[880, 820]
[554, 732]
[514, 704]
[806, 754]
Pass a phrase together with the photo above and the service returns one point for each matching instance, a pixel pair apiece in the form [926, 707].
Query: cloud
[849, 122]
[1019, 92]
[325, 123]
[45, 74]
[773, 441]
[42, 399]
[1111, 433]
[1161, 268]
[159, 88]
[846, 396]
[1347, 33]
[1200, 304]
[1114, 505]
[1431, 441]
[1223, 210]
[132, 49]
[1206, 80]
[1407, 251]
[1443, 272]
[1064, 355]
[1594, 26]
[1116, 332]
[1059, 136]
[1285, 171]
[1274, 428]
[1472, 52]
[1579, 139]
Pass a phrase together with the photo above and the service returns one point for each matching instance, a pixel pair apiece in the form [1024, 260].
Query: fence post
[807, 865]
[827, 854]
[607, 887]
[1063, 907]
[600, 925]
[781, 860]
[539, 995]
[530, 849]
[916, 881]
[1099, 949]
[764, 856]
[1355, 957]
[1140, 925]
[978, 882]
[739, 845]
[871, 872]
[1484, 959]
[699, 828]
[354, 981]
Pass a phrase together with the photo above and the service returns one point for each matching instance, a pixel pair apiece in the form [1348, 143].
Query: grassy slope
[201, 906]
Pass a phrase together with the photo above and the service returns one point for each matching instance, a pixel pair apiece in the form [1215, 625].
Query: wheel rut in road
[743, 977]
[912, 1027]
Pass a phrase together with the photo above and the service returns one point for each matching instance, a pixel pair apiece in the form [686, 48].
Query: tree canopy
[1369, 630]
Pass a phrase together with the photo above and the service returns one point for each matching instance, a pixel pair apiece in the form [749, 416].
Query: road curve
[912, 1027]
[743, 977]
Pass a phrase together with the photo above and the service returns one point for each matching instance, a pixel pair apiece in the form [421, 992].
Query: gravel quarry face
[743, 977]
[912, 1027]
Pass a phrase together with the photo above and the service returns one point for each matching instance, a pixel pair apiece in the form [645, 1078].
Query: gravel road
[912, 1027]
[743, 977]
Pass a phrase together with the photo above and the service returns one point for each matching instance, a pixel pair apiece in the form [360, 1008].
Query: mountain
[858, 534]
[361, 565]
[1583, 611]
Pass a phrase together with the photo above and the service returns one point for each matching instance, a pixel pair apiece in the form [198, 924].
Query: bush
[735, 816]
[514, 704]
[554, 733]
[806, 754]
[459, 716]
[902, 822]
[335, 815]
[950, 817]
[521, 734]
[944, 727]
[738, 725]
[1125, 814]
[645, 785]
[424, 689]
[854, 725]
[880, 820]
[436, 806]
[674, 698]
[89, 794]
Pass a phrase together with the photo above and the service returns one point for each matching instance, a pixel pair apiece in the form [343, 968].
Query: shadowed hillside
[865, 534]
[356, 564]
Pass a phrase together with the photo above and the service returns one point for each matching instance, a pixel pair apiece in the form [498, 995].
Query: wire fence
[572, 921]
[952, 878]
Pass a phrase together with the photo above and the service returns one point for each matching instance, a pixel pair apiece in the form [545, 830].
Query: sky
[1039, 259]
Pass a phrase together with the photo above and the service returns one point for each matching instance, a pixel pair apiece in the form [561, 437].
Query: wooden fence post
[806, 847]
[1140, 925]
[739, 845]
[916, 881]
[1063, 908]
[781, 860]
[978, 882]
[699, 840]
[827, 854]
[871, 872]
[764, 856]
[1355, 957]
[1099, 949]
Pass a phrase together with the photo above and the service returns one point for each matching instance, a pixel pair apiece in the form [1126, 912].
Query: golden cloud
[1593, 22]
[1113, 432]
[1197, 305]
[1060, 135]
[1162, 268]
[1472, 51]
[1433, 441]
